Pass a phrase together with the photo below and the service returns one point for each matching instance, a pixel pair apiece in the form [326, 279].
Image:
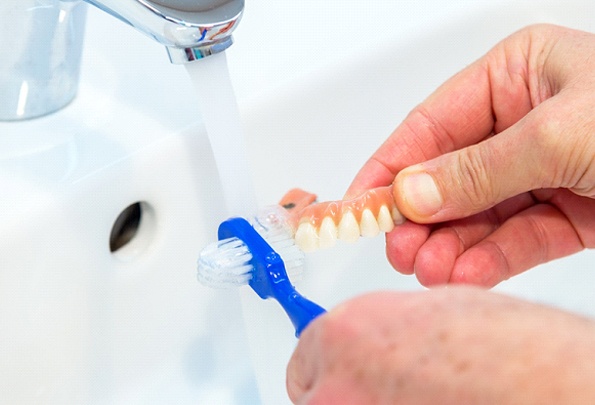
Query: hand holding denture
[496, 169]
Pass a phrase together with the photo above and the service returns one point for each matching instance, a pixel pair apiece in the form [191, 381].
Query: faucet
[41, 43]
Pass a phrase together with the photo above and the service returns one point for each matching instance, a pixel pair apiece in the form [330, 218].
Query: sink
[106, 204]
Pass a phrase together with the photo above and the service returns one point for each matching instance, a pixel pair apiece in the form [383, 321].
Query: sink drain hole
[126, 227]
[132, 229]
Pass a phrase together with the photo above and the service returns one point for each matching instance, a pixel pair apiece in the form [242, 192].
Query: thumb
[470, 180]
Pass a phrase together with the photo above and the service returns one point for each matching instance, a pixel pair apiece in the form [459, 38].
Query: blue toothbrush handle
[301, 311]
[269, 278]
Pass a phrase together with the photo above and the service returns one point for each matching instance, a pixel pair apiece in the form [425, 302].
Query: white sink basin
[85, 324]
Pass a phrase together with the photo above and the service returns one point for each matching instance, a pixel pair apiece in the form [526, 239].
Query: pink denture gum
[319, 225]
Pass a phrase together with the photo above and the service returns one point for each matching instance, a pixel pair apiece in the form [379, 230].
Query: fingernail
[421, 193]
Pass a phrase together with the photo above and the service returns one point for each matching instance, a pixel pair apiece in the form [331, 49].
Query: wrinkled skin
[449, 346]
[509, 146]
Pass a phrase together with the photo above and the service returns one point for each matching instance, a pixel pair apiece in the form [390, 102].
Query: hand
[458, 345]
[508, 145]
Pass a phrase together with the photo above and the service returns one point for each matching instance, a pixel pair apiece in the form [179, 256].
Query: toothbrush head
[227, 262]
[242, 256]
[268, 268]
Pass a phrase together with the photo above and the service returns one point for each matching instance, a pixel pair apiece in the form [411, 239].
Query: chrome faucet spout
[41, 43]
[190, 29]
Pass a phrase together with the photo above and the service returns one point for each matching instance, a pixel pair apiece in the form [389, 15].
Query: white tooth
[398, 218]
[327, 233]
[368, 224]
[306, 237]
[348, 228]
[385, 220]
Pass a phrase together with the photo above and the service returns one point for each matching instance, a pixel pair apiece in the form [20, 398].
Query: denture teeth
[385, 219]
[398, 218]
[327, 233]
[348, 229]
[368, 224]
[306, 237]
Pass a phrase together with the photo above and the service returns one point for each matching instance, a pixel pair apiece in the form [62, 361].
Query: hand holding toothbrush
[448, 347]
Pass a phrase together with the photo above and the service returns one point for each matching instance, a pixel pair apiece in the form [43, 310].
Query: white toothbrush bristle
[226, 263]
[271, 224]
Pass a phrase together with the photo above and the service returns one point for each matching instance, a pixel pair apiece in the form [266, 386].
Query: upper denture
[319, 225]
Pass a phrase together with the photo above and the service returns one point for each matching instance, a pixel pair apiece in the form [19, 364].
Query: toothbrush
[243, 256]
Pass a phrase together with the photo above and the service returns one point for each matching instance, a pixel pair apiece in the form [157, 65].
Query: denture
[320, 225]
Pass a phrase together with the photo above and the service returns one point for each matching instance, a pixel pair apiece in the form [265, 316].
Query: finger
[298, 379]
[303, 365]
[486, 97]
[436, 258]
[527, 156]
[580, 212]
[431, 130]
[403, 243]
[539, 234]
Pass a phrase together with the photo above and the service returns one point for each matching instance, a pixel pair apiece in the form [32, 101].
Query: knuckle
[421, 123]
[564, 142]
[546, 133]
[475, 184]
